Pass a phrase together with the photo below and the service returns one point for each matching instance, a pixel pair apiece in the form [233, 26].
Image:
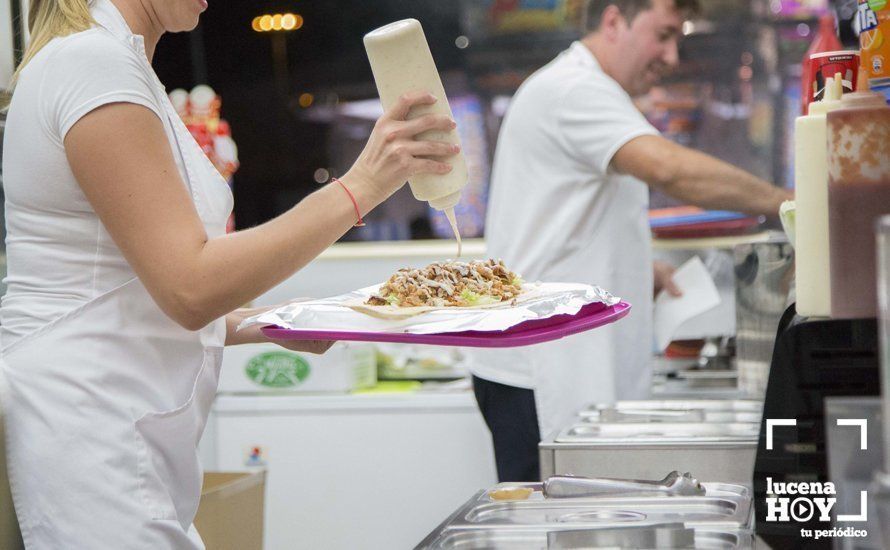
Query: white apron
[613, 250]
[611, 362]
[105, 405]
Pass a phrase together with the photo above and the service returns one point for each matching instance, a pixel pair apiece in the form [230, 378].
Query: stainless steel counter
[643, 439]
[719, 519]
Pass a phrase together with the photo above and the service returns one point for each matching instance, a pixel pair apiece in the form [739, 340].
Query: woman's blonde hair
[48, 19]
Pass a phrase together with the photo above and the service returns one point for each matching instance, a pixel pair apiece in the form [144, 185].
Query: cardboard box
[269, 368]
[230, 516]
[10, 537]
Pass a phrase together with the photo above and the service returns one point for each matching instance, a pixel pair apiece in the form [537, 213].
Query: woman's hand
[307, 346]
[393, 154]
[253, 334]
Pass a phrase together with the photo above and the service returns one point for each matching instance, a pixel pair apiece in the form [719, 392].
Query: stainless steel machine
[676, 512]
[717, 439]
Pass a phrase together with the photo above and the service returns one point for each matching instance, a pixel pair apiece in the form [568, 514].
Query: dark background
[278, 147]
[281, 145]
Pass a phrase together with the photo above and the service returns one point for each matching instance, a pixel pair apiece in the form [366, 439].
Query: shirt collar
[581, 53]
[110, 18]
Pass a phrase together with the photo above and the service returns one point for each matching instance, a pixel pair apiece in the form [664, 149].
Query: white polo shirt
[59, 253]
[558, 213]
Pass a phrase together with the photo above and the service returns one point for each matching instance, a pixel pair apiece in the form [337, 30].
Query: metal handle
[674, 483]
[652, 415]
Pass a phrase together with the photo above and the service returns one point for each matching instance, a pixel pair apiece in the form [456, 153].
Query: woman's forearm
[236, 268]
[132, 182]
[250, 335]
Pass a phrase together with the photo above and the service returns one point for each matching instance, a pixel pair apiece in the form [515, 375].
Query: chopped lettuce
[476, 299]
[517, 281]
[392, 299]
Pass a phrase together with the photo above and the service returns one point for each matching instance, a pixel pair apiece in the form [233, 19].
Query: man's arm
[696, 178]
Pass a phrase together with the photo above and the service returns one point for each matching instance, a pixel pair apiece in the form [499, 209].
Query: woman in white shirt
[123, 285]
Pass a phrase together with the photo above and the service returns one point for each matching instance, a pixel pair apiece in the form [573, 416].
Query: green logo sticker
[877, 5]
[277, 369]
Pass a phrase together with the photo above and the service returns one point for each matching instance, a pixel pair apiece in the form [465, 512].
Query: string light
[277, 22]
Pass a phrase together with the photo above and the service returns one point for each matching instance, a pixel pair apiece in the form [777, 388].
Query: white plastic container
[401, 61]
[269, 368]
[812, 260]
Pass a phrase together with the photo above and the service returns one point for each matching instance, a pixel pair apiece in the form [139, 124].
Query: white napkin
[699, 295]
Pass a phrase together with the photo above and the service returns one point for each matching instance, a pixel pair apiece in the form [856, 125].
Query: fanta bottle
[873, 20]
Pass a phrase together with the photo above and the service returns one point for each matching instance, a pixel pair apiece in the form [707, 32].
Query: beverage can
[873, 19]
[828, 64]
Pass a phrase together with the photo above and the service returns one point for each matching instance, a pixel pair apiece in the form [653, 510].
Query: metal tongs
[567, 486]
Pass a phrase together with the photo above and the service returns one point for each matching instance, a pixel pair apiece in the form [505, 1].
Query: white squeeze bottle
[401, 61]
[812, 261]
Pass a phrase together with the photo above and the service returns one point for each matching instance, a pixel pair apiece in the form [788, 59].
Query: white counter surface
[475, 248]
[398, 401]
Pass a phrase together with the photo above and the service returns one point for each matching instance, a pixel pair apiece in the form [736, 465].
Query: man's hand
[664, 279]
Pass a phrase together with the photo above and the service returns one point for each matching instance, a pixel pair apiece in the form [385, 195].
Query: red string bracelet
[358, 213]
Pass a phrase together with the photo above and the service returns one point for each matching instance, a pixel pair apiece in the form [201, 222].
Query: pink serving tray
[589, 317]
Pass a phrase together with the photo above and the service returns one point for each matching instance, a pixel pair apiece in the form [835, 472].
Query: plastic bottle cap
[823, 106]
[830, 99]
[862, 82]
[446, 202]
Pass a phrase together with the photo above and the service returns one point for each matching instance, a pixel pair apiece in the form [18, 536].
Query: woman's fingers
[426, 166]
[431, 148]
[321, 346]
[307, 346]
[394, 152]
[406, 101]
[411, 128]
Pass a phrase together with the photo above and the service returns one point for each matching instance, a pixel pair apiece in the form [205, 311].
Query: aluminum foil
[538, 301]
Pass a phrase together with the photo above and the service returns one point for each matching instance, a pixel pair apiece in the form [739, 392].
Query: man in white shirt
[569, 202]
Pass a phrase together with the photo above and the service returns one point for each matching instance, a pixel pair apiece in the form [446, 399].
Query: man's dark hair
[629, 8]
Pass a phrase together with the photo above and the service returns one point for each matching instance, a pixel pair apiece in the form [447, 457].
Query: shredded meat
[449, 284]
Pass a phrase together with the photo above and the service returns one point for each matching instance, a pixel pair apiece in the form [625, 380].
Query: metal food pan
[610, 512]
[669, 415]
[712, 489]
[551, 539]
[658, 433]
[750, 405]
